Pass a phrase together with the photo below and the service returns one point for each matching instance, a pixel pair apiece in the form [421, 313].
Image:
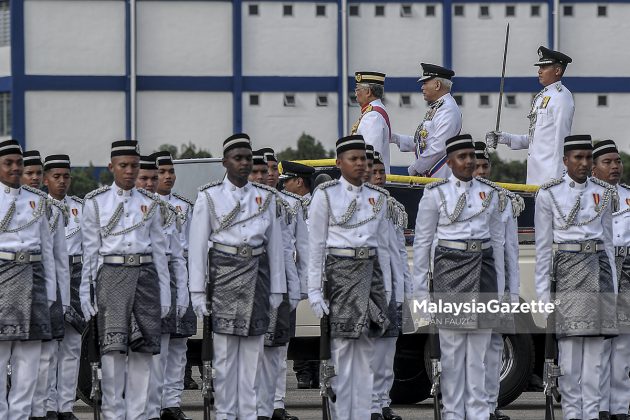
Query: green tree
[307, 148]
[83, 181]
[186, 151]
[512, 171]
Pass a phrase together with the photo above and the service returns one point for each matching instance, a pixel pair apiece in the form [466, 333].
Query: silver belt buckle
[245, 251]
[589, 246]
[22, 257]
[132, 260]
[621, 251]
[474, 246]
[362, 253]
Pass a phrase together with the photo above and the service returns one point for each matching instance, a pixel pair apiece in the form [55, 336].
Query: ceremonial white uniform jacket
[184, 207]
[442, 121]
[138, 230]
[258, 226]
[27, 229]
[73, 228]
[621, 218]
[479, 219]
[512, 274]
[550, 122]
[57, 224]
[401, 278]
[555, 203]
[174, 230]
[296, 244]
[331, 224]
[375, 131]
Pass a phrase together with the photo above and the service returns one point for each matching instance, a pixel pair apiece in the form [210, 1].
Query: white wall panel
[81, 124]
[184, 38]
[74, 37]
[5, 61]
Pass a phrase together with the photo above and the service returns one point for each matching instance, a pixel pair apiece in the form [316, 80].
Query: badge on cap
[357, 78]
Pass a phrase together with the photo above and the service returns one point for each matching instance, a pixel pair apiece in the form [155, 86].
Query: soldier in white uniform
[125, 251]
[57, 218]
[615, 383]
[272, 164]
[27, 279]
[64, 375]
[350, 242]
[373, 123]
[507, 292]
[186, 322]
[171, 225]
[442, 121]
[385, 347]
[550, 120]
[575, 212]
[463, 212]
[246, 274]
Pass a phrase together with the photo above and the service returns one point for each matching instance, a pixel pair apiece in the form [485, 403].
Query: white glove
[293, 303]
[183, 298]
[388, 297]
[318, 305]
[88, 310]
[165, 311]
[199, 304]
[496, 137]
[181, 310]
[64, 308]
[275, 299]
[394, 138]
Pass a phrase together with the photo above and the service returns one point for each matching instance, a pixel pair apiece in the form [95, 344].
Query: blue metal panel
[78, 83]
[127, 80]
[17, 71]
[290, 84]
[550, 26]
[340, 103]
[447, 33]
[237, 63]
[5, 84]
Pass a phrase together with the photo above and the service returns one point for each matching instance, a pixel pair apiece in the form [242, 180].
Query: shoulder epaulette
[148, 194]
[626, 186]
[602, 183]
[292, 195]
[327, 184]
[210, 185]
[265, 187]
[558, 87]
[377, 188]
[97, 191]
[551, 183]
[436, 184]
[35, 191]
[77, 199]
[518, 204]
[184, 199]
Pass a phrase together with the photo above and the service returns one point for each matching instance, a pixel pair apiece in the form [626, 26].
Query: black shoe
[263, 418]
[492, 416]
[498, 414]
[282, 414]
[173, 413]
[65, 416]
[619, 417]
[315, 382]
[189, 383]
[52, 415]
[376, 416]
[388, 414]
[304, 381]
[604, 415]
[37, 418]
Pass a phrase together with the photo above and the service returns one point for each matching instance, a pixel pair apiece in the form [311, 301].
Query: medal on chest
[372, 201]
[144, 209]
[75, 213]
[482, 195]
[596, 199]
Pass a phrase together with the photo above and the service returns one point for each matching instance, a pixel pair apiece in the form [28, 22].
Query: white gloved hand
[492, 139]
[181, 310]
[388, 297]
[183, 298]
[293, 303]
[199, 304]
[88, 310]
[318, 305]
[165, 310]
[275, 299]
[64, 308]
[394, 138]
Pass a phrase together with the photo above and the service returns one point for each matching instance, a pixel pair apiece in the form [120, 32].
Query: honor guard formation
[133, 266]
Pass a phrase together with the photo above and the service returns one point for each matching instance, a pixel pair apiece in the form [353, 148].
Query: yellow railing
[416, 180]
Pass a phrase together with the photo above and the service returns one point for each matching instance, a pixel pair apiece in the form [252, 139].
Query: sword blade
[505, 49]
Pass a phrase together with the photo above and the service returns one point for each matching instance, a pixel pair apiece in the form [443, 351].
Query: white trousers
[581, 363]
[134, 385]
[619, 380]
[156, 383]
[269, 366]
[63, 392]
[24, 359]
[47, 360]
[383, 371]
[463, 374]
[174, 374]
[235, 364]
[352, 360]
[604, 377]
[281, 384]
[494, 356]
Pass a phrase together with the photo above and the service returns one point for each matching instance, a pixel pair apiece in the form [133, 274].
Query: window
[459, 99]
[602, 100]
[352, 99]
[5, 23]
[430, 10]
[406, 10]
[354, 10]
[484, 100]
[602, 11]
[458, 10]
[510, 10]
[287, 10]
[567, 10]
[510, 101]
[484, 11]
[5, 114]
[320, 10]
[254, 99]
[253, 10]
[379, 10]
[322, 99]
[535, 10]
[289, 99]
[405, 101]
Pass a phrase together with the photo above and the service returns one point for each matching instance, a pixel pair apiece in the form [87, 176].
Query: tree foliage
[510, 171]
[83, 181]
[186, 151]
[307, 148]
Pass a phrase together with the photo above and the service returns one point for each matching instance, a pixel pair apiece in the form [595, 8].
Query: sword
[505, 49]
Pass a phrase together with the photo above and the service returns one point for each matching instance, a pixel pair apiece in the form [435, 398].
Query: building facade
[78, 74]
